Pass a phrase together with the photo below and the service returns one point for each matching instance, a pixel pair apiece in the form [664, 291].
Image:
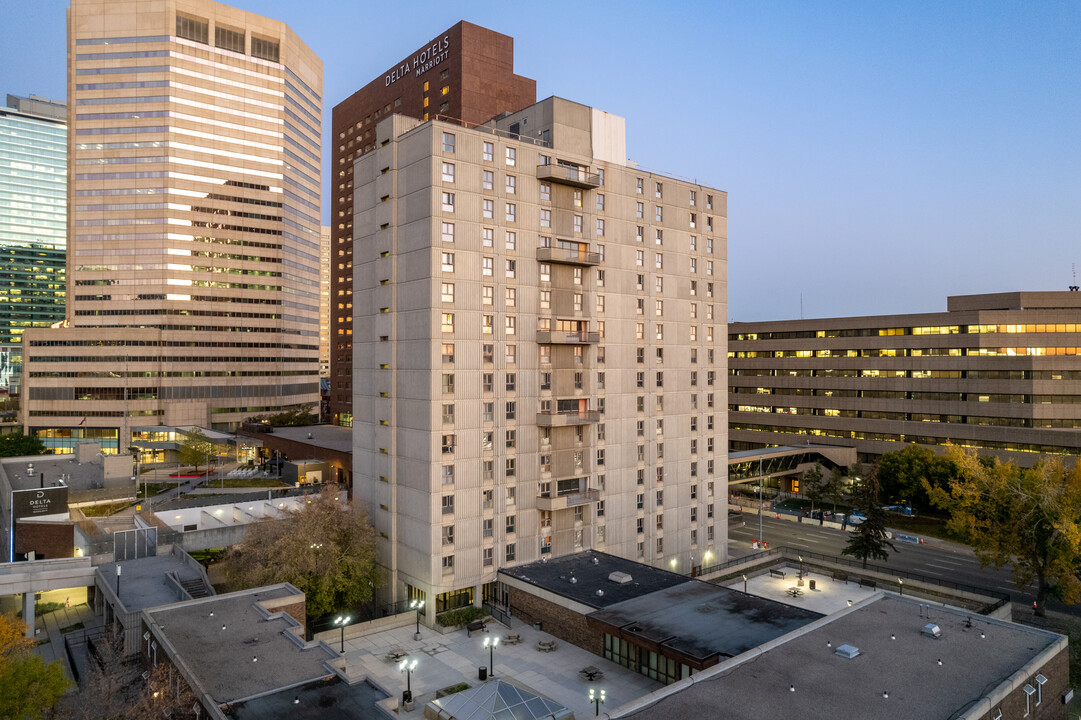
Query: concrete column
[28, 613]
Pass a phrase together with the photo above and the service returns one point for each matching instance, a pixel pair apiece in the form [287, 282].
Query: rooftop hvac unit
[847, 651]
[620, 578]
[931, 630]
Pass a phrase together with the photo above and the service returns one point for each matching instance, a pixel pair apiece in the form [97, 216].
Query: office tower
[465, 73]
[33, 227]
[1000, 373]
[324, 301]
[193, 284]
[540, 337]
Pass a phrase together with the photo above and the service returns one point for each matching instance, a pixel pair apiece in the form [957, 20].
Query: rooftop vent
[620, 578]
[931, 630]
[847, 651]
[596, 561]
[574, 580]
[600, 593]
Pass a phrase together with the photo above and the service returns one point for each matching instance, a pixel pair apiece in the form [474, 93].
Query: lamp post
[490, 643]
[407, 667]
[759, 502]
[900, 587]
[597, 700]
[343, 620]
[799, 582]
[416, 605]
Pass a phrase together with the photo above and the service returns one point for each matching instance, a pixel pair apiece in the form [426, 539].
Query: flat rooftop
[77, 476]
[330, 437]
[324, 700]
[222, 659]
[702, 621]
[801, 673]
[142, 581]
[579, 576]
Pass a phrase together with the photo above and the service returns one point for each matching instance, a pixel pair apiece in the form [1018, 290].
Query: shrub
[461, 616]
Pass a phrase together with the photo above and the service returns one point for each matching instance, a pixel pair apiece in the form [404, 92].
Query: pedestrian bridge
[747, 466]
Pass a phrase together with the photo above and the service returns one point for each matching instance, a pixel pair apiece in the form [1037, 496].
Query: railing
[548, 337]
[574, 417]
[793, 555]
[567, 255]
[492, 130]
[566, 174]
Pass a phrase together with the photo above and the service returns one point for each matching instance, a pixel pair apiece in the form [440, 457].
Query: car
[856, 517]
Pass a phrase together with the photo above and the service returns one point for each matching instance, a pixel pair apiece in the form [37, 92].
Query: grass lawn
[104, 510]
[245, 483]
[152, 489]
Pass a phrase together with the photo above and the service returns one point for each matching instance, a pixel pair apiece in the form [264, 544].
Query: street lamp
[490, 643]
[416, 605]
[800, 581]
[407, 667]
[343, 620]
[597, 700]
[900, 586]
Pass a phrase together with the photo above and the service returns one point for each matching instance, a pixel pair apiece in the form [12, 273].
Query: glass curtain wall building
[33, 224]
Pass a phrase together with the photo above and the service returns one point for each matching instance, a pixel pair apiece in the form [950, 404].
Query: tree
[325, 549]
[196, 449]
[18, 445]
[903, 472]
[298, 416]
[29, 688]
[812, 485]
[835, 490]
[868, 539]
[1028, 518]
[114, 687]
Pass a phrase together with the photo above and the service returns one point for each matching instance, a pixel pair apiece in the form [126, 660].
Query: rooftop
[801, 670]
[77, 476]
[330, 699]
[142, 581]
[579, 576]
[240, 651]
[330, 437]
[701, 621]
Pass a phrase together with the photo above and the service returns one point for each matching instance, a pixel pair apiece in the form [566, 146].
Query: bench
[546, 645]
[838, 575]
[774, 572]
[869, 583]
[475, 626]
[512, 639]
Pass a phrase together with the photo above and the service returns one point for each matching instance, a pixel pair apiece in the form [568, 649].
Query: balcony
[567, 256]
[567, 418]
[568, 175]
[562, 502]
[555, 337]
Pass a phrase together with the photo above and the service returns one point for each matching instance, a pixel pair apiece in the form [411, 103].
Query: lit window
[448, 322]
[448, 292]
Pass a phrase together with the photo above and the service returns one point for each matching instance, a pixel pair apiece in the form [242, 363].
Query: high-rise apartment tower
[540, 335]
[193, 280]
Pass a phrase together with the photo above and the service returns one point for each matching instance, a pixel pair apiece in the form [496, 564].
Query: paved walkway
[50, 626]
[445, 660]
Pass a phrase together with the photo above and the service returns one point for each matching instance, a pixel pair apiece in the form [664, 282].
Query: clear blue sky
[878, 156]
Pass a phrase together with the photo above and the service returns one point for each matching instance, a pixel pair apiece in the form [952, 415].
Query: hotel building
[465, 73]
[194, 243]
[540, 337]
[1000, 373]
[33, 226]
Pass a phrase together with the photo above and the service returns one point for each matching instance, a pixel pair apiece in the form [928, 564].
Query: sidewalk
[48, 631]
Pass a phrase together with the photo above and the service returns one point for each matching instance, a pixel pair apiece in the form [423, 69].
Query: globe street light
[343, 620]
[597, 700]
[407, 667]
[416, 605]
[490, 643]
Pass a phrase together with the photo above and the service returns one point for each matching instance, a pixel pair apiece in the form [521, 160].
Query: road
[936, 558]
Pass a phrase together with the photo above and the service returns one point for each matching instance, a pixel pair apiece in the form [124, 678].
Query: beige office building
[324, 301]
[540, 341]
[999, 373]
[194, 232]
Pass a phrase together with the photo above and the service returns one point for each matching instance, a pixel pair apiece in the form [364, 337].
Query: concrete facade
[465, 73]
[538, 335]
[1000, 373]
[194, 160]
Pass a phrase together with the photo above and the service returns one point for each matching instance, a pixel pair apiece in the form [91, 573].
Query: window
[448, 142]
[512, 211]
[448, 232]
[448, 292]
[578, 275]
[448, 382]
[639, 211]
[486, 324]
[487, 208]
[546, 218]
[658, 213]
[487, 527]
[639, 258]
[448, 504]
[228, 39]
[638, 185]
[487, 556]
[510, 324]
[511, 268]
[510, 495]
[577, 223]
[694, 243]
[658, 260]
[709, 223]
[577, 302]
[545, 299]
[196, 30]
[546, 354]
[448, 202]
[694, 220]
[709, 245]
[512, 155]
[511, 296]
[600, 278]
[511, 184]
[660, 379]
[694, 265]
[694, 198]
[448, 352]
[448, 413]
[489, 151]
[448, 262]
[709, 202]
[448, 564]
[448, 172]
[487, 180]
[545, 191]
[448, 322]
[487, 294]
[487, 266]
[600, 228]
[709, 267]
[487, 237]
[489, 412]
[510, 412]
[600, 303]
[658, 284]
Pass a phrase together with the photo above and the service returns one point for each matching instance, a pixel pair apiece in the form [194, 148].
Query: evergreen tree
[868, 539]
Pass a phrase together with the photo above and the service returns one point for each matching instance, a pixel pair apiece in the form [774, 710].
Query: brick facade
[47, 540]
[565, 624]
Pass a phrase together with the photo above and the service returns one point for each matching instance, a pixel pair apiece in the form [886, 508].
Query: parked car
[856, 517]
[905, 510]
